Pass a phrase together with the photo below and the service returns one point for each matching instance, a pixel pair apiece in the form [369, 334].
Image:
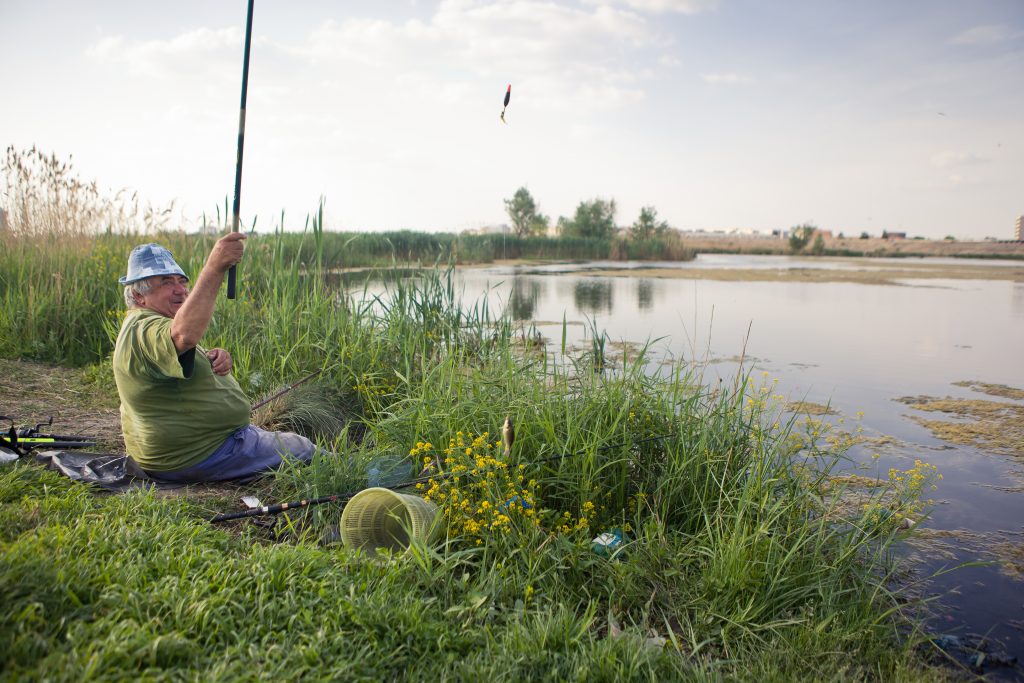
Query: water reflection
[522, 300]
[644, 294]
[593, 295]
[1018, 299]
[363, 276]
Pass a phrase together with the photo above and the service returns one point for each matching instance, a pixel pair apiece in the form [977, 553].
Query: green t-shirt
[175, 412]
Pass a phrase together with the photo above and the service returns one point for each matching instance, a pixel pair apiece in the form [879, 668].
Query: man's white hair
[140, 287]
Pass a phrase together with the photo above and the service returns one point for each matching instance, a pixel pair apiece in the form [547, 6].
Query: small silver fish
[508, 435]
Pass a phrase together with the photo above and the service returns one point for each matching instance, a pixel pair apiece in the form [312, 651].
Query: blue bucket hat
[147, 260]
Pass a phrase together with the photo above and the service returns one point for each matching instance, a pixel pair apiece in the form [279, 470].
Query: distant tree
[864, 235]
[799, 236]
[522, 211]
[885, 234]
[647, 225]
[539, 225]
[949, 238]
[818, 246]
[595, 218]
[563, 226]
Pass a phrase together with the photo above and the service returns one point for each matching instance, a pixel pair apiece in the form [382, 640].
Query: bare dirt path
[79, 405]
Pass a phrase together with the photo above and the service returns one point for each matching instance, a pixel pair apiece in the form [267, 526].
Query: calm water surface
[856, 347]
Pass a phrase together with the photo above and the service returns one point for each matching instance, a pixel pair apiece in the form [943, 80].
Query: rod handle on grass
[236, 515]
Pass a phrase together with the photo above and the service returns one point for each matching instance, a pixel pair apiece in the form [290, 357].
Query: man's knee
[294, 446]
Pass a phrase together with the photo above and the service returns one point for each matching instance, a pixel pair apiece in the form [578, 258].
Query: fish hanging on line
[508, 435]
[508, 96]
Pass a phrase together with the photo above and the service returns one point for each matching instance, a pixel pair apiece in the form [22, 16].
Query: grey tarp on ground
[111, 472]
[120, 473]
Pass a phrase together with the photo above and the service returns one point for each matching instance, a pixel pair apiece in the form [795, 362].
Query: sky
[721, 114]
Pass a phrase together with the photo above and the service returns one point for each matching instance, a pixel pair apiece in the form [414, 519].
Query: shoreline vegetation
[871, 247]
[742, 560]
[742, 556]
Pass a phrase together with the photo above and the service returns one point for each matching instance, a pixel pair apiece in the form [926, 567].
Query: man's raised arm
[192, 319]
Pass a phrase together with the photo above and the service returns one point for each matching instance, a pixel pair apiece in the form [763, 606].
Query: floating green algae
[994, 426]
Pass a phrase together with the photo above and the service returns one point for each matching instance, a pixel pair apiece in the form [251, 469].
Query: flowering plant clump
[482, 495]
[906, 493]
[910, 486]
[375, 387]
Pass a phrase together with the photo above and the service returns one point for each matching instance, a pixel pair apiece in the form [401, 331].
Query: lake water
[856, 347]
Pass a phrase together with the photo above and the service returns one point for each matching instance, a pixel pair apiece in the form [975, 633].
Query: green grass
[733, 560]
[739, 554]
[130, 586]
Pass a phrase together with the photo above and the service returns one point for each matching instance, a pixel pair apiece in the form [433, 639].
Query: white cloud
[485, 37]
[663, 6]
[597, 56]
[202, 50]
[957, 180]
[369, 42]
[680, 6]
[725, 79]
[566, 54]
[950, 159]
[989, 34]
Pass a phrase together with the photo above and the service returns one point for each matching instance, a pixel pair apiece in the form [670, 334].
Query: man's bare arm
[192, 319]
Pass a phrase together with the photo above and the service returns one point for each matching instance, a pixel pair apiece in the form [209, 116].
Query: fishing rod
[241, 143]
[23, 440]
[286, 389]
[281, 507]
[344, 497]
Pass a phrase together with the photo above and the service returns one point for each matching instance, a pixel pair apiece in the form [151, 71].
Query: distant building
[1018, 234]
[886, 235]
[502, 229]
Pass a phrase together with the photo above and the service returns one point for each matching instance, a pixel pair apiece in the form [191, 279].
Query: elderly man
[184, 417]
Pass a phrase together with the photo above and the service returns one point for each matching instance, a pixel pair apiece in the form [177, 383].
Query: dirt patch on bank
[80, 402]
[84, 402]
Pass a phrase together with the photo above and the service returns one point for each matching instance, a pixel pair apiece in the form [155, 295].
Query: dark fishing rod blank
[241, 143]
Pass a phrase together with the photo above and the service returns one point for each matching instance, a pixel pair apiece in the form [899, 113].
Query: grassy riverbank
[741, 560]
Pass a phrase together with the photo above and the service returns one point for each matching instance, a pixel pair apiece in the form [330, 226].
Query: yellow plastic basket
[382, 518]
